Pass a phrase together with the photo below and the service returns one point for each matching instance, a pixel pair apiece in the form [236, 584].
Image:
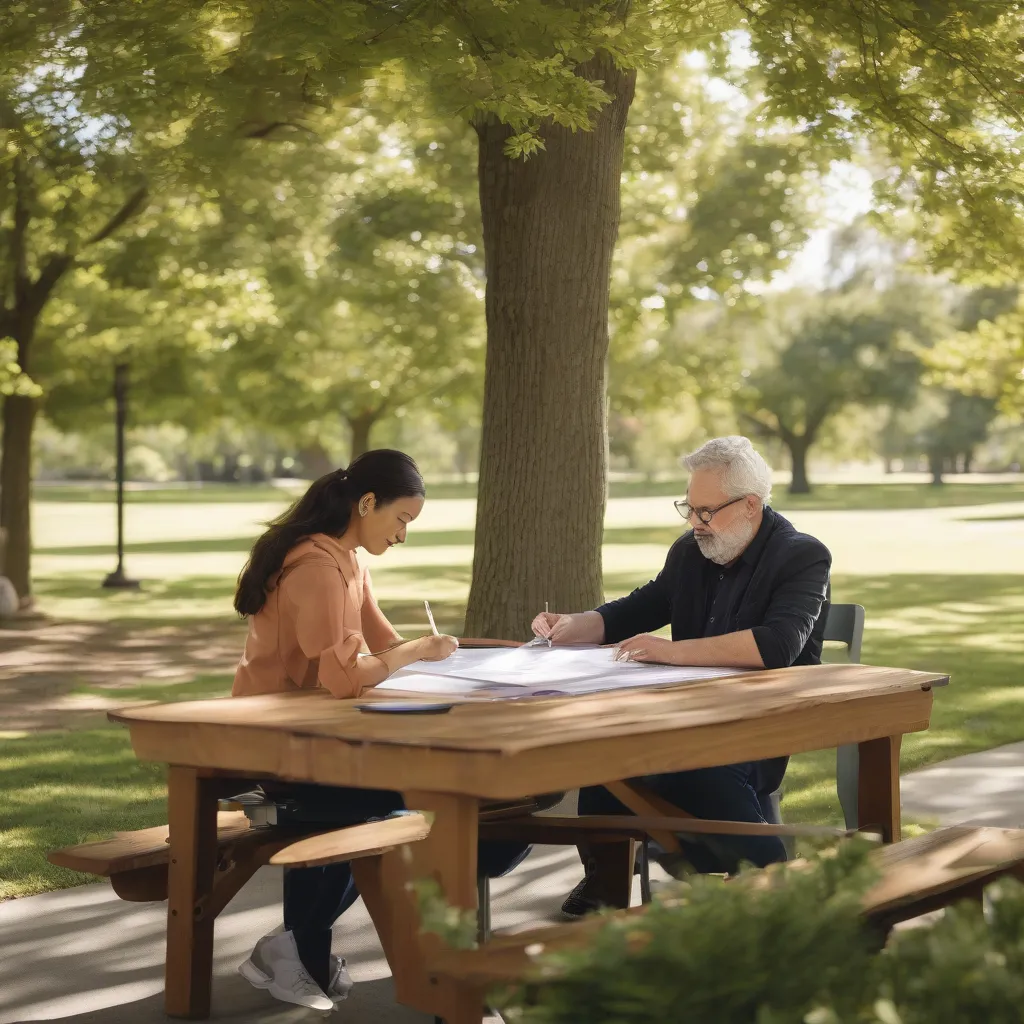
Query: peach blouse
[319, 615]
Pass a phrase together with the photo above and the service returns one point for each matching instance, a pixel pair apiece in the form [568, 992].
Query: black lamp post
[117, 578]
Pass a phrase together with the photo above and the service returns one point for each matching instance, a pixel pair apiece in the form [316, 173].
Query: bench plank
[130, 851]
[354, 841]
[918, 875]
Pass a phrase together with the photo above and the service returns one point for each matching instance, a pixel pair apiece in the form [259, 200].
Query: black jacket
[778, 588]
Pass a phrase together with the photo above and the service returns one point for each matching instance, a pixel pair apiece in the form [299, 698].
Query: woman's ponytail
[325, 508]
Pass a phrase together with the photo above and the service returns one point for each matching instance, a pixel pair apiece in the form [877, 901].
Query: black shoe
[581, 901]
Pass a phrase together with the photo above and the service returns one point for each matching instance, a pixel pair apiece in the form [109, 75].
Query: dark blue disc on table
[405, 707]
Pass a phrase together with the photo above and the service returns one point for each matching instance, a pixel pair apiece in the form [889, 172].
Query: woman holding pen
[313, 622]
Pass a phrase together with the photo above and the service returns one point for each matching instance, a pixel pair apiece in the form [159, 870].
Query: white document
[539, 671]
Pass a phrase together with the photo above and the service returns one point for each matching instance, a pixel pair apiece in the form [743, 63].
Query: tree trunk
[798, 447]
[550, 225]
[16, 490]
[936, 464]
[315, 460]
[361, 427]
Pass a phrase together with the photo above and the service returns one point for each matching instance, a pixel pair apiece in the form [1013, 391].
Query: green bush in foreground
[793, 951]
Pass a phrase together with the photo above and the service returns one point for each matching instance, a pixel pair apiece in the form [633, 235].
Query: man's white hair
[743, 470]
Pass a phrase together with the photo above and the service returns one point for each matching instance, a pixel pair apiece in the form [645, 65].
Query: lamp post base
[118, 581]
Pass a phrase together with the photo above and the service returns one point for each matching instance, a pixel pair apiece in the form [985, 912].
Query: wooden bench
[137, 862]
[917, 876]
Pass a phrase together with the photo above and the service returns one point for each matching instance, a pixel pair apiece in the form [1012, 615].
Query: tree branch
[53, 270]
[133, 205]
[19, 234]
[760, 426]
[264, 131]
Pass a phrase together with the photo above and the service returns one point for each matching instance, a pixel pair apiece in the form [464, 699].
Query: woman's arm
[317, 599]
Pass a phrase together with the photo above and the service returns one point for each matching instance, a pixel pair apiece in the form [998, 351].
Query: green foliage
[728, 953]
[715, 198]
[802, 358]
[986, 361]
[456, 927]
[12, 380]
[967, 967]
[795, 950]
[368, 246]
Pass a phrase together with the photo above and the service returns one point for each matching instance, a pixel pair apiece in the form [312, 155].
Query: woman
[313, 621]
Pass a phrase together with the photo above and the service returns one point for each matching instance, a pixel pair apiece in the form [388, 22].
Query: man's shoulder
[786, 538]
[682, 547]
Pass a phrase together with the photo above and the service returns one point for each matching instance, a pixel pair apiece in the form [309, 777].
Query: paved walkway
[85, 957]
[976, 789]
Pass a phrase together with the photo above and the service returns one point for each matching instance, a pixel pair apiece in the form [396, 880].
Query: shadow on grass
[162, 547]
[182, 588]
[60, 789]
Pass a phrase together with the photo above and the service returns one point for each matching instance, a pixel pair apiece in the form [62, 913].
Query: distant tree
[814, 355]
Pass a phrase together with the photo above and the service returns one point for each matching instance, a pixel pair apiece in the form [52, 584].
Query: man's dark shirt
[777, 588]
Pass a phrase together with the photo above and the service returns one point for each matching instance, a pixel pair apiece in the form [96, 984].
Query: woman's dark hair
[325, 508]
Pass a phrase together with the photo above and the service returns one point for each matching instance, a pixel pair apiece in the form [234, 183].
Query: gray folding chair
[844, 624]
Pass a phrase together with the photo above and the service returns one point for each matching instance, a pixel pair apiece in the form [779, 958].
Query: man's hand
[559, 628]
[645, 647]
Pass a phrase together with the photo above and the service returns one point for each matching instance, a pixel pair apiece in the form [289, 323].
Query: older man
[742, 589]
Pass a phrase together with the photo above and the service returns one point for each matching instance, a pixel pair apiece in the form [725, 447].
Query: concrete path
[977, 789]
[85, 957]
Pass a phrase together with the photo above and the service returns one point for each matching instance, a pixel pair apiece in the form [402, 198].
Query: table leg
[192, 817]
[449, 855]
[612, 871]
[878, 799]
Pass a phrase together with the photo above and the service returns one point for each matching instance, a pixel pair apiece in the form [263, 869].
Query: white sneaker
[341, 981]
[274, 965]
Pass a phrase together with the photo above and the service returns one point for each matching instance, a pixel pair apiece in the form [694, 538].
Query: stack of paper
[539, 671]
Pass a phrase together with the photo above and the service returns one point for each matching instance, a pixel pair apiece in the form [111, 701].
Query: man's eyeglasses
[705, 515]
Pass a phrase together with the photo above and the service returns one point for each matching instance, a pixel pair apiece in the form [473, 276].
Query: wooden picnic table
[491, 750]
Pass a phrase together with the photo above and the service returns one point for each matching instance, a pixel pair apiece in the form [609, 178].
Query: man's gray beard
[722, 548]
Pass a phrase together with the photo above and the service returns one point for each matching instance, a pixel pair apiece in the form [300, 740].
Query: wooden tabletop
[507, 748]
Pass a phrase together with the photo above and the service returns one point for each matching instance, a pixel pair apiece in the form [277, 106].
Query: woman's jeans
[314, 898]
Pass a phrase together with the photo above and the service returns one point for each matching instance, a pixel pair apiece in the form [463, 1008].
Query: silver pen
[430, 618]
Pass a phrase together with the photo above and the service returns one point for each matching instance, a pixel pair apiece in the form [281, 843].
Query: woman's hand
[645, 647]
[437, 648]
[559, 628]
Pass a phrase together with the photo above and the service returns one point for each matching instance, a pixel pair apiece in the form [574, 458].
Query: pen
[430, 617]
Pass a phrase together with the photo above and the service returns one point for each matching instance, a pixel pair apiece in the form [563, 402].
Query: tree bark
[798, 447]
[936, 463]
[15, 490]
[550, 225]
[361, 426]
[315, 460]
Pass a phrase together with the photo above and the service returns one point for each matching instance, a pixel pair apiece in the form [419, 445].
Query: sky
[847, 196]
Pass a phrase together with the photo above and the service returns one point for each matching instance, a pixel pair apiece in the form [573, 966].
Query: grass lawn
[959, 609]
